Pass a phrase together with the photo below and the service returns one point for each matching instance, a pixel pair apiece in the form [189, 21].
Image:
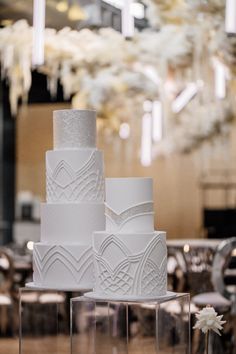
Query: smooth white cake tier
[130, 264]
[74, 176]
[71, 223]
[129, 205]
[66, 267]
[73, 129]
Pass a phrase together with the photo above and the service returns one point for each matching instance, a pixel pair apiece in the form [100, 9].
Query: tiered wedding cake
[130, 258]
[75, 204]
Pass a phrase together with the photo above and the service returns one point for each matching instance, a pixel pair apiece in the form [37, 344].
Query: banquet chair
[176, 270]
[6, 284]
[199, 266]
[221, 271]
[224, 296]
[224, 278]
[192, 270]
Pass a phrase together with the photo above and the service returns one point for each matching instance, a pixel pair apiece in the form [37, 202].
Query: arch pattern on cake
[151, 275]
[76, 266]
[139, 273]
[120, 219]
[86, 184]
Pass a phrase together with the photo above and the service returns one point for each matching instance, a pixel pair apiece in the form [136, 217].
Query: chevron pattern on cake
[143, 273]
[44, 261]
[119, 219]
[65, 184]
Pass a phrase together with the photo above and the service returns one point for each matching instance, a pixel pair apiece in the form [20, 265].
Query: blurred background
[161, 76]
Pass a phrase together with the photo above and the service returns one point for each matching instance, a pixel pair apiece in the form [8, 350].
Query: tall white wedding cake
[74, 206]
[130, 258]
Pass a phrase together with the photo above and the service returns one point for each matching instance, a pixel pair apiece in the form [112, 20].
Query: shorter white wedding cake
[130, 258]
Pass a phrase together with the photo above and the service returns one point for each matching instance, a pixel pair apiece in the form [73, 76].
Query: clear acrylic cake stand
[44, 321]
[125, 327]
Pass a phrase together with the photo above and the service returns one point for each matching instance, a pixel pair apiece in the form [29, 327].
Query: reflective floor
[11, 345]
[49, 344]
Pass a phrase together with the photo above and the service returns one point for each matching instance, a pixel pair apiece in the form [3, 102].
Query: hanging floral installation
[175, 61]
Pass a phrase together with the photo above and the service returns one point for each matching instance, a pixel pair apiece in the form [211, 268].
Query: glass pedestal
[121, 327]
[44, 321]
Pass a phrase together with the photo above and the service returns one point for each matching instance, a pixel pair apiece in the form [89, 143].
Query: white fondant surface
[33, 286]
[137, 218]
[124, 193]
[62, 267]
[73, 129]
[71, 223]
[129, 205]
[130, 264]
[74, 176]
[93, 295]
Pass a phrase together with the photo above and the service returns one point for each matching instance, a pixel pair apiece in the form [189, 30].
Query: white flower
[208, 320]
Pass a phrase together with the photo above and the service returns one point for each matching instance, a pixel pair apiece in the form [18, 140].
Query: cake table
[159, 326]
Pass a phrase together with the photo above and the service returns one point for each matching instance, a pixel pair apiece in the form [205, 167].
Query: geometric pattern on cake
[130, 258]
[74, 262]
[129, 205]
[64, 184]
[74, 206]
[118, 220]
[119, 270]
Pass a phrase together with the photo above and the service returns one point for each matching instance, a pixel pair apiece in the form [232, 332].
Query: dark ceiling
[19, 9]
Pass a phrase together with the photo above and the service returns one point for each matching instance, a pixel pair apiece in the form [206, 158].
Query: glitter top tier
[74, 129]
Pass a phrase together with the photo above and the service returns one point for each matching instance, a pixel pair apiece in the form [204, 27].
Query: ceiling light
[6, 22]
[137, 10]
[127, 20]
[220, 72]
[62, 6]
[146, 140]
[76, 13]
[157, 121]
[184, 97]
[38, 32]
[230, 16]
[124, 131]
[117, 3]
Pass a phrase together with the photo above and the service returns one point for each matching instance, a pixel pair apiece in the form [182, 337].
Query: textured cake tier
[130, 264]
[73, 129]
[129, 205]
[63, 267]
[74, 176]
[71, 223]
